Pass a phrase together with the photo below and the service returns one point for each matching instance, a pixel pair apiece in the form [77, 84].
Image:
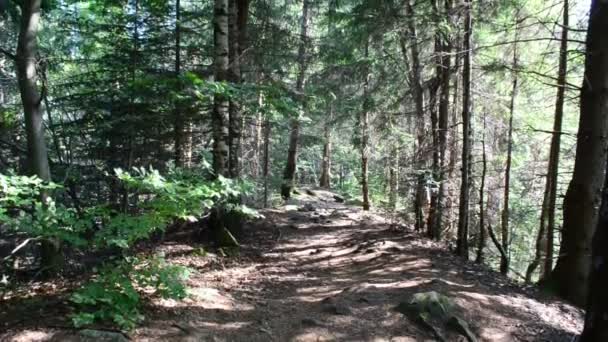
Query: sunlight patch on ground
[495, 334]
[31, 336]
[210, 298]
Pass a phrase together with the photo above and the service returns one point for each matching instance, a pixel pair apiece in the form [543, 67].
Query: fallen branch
[19, 247]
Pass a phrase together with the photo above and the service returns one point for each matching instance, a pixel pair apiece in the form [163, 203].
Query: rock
[310, 322]
[437, 312]
[334, 307]
[103, 336]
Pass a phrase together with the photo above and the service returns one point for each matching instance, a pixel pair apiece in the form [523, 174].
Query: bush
[114, 295]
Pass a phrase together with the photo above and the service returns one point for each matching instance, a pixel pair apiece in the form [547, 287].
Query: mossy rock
[432, 304]
[436, 312]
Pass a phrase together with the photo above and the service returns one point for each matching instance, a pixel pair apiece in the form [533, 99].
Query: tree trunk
[505, 232]
[364, 126]
[179, 128]
[266, 159]
[481, 242]
[257, 133]
[325, 179]
[30, 96]
[38, 163]
[221, 149]
[234, 76]
[393, 178]
[596, 318]
[540, 239]
[418, 94]
[292, 153]
[553, 168]
[462, 243]
[570, 277]
[544, 248]
[443, 72]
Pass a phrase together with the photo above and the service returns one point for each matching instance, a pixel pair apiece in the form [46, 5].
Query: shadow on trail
[341, 281]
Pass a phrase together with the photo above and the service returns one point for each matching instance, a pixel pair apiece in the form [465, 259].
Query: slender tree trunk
[505, 232]
[443, 72]
[544, 247]
[220, 121]
[257, 133]
[38, 163]
[325, 179]
[221, 103]
[540, 239]
[364, 126]
[418, 95]
[570, 277]
[553, 168]
[433, 174]
[179, 129]
[481, 242]
[292, 153]
[266, 159]
[394, 178]
[47, 107]
[462, 243]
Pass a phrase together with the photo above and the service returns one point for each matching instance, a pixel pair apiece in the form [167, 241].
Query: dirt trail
[317, 270]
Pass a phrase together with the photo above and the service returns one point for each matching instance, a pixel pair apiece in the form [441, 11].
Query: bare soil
[318, 270]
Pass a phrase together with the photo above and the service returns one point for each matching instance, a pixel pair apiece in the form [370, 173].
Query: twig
[19, 247]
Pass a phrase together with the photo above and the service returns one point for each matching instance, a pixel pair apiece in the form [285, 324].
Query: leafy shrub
[114, 295]
[22, 209]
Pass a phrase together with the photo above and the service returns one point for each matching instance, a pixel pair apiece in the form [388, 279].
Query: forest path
[317, 270]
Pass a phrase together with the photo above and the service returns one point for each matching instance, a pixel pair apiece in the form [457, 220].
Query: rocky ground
[319, 270]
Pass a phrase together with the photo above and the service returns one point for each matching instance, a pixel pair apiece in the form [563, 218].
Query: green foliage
[114, 295]
[179, 196]
[25, 207]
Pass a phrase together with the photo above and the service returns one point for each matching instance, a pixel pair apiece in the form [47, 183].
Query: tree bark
[394, 178]
[505, 232]
[570, 277]
[325, 179]
[30, 96]
[236, 14]
[179, 128]
[418, 95]
[292, 153]
[443, 72]
[481, 242]
[266, 159]
[596, 317]
[220, 123]
[364, 126]
[27, 78]
[462, 243]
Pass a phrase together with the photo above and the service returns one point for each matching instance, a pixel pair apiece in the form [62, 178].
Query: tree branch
[8, 54]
